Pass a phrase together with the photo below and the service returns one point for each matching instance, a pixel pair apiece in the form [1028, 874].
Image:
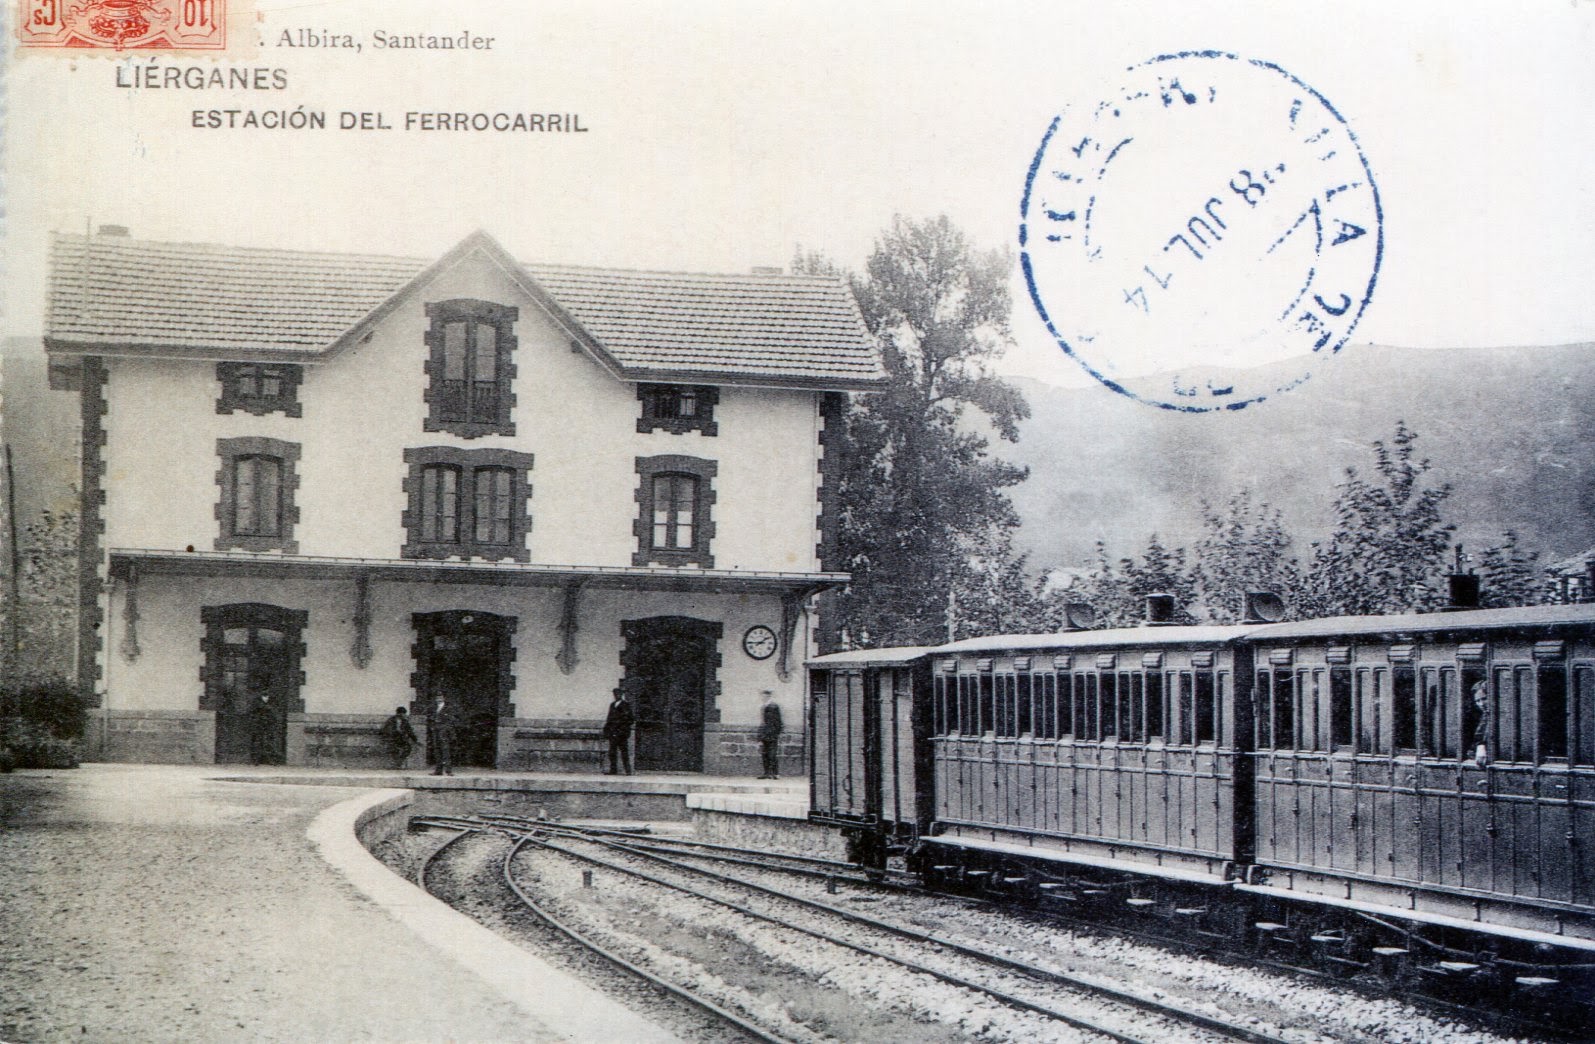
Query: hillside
[1512, 431]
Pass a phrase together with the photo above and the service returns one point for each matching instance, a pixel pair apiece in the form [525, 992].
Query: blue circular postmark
[1205, 235]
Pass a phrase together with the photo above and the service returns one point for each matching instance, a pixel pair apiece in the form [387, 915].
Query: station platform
[162, 902]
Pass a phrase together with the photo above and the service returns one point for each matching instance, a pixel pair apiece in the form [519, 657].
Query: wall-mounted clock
[759, 642]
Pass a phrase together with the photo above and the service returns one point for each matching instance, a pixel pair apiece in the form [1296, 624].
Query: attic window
[259, 388]
[677, 408]
[471, 345]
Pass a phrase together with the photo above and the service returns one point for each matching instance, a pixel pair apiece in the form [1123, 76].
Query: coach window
[1064, 701]
[1093, 729]
[1340, 723]
[1433, 710]
[1403, 708]
[939, 722]
[1311, 709]
[1584, 714]
[1206, 707]
[1183, 700]
[1514, 694]
[1110, 705]
[988, 719]
[1551, 686]
[1472, 677]
[1154, 705]
[968, 709]
[1003, 705]
[1024, 696]
[1046, 686]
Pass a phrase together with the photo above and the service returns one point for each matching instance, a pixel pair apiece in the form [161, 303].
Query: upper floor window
[469, 370]
[257, 481]
[467, 503]
[674, 496]
[678, 408]
[259, 388]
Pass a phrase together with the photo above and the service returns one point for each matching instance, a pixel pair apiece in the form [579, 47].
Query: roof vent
[1159, 609]
[1263, 607]
[1464, 592]
[767, 270]
[1078, 616]
[119, 231]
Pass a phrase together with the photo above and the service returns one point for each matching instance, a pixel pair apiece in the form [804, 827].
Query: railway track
[973, 969]
[1496, 1016]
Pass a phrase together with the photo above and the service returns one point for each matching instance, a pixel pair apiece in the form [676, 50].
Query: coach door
[669, 672]
[464, 659]
[252, 680]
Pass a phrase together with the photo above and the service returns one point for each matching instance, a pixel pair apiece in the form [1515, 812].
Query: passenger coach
[1416, 790]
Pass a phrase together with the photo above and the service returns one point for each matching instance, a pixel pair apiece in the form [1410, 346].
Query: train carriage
[869, 747]
[1316, 785]
[1113, 748]
[1372, 792]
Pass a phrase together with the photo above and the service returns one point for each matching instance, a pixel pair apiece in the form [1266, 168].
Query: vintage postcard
[534, 392]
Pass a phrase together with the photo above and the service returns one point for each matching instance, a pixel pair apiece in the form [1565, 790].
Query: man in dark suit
[617, 730]
[440, 732]
[770, 737]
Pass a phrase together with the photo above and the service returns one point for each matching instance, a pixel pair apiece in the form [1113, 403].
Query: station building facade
[317, 487]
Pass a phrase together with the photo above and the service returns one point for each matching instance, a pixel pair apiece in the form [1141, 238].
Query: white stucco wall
[165, 675]
[362, 409]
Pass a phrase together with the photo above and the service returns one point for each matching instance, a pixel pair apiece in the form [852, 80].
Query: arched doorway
[672, 666]
[465, 657]
[252, 679]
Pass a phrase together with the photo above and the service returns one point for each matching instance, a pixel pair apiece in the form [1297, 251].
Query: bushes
[41, 726]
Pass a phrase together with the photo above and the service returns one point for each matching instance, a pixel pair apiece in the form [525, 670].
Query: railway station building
[319, 486]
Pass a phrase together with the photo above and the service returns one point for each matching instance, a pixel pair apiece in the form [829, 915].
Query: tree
[1387, 551]
[1245, 549]
[1510, 576]
[924, 523]
[1117, 593]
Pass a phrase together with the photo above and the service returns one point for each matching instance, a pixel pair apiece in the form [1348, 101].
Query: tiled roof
[113, 293]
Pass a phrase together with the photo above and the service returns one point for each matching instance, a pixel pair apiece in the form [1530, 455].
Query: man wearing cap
[770, 737]
[617, 730]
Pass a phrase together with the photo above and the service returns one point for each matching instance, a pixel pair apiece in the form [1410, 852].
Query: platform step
[1139, 903]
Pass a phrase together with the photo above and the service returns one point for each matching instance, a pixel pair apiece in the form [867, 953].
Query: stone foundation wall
[166, 737]
[733, 750]
[552, 745]
[345, 741]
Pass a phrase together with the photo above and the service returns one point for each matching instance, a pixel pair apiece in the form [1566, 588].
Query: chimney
[1464, 592]
[114, 231]
[1263, 607]
[1078, 616]
[1159, 610]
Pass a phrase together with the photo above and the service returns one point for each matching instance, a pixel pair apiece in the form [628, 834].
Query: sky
[724, 136]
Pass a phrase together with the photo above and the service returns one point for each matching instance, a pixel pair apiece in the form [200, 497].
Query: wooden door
[465, 659]
[252, 704]
[670, 676]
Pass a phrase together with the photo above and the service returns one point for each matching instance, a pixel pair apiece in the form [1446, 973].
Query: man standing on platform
[440, 731]
[770, 737]
[617, 730]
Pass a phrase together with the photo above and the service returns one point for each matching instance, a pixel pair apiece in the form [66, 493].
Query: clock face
[759, 642]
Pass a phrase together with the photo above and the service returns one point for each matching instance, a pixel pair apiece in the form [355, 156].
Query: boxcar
[869, 748]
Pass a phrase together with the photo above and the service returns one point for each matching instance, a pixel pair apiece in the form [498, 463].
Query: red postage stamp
[124, 25]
